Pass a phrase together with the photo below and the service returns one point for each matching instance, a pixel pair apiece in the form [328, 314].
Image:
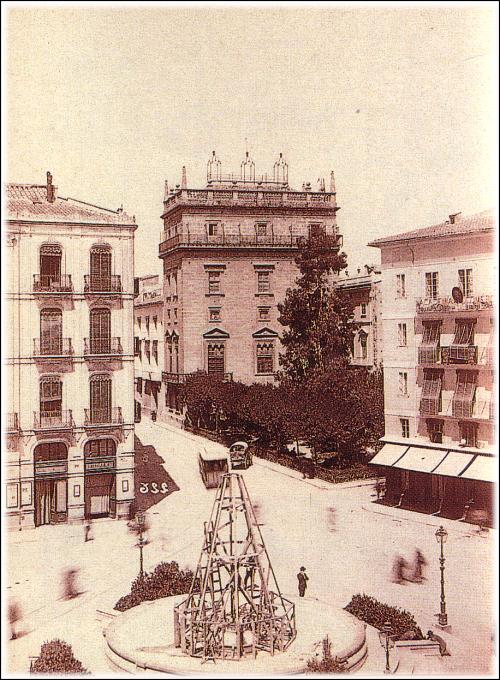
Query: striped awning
[388, 454]
[482, 468]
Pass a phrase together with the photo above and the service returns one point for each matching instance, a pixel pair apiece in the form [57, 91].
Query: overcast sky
[398, 101]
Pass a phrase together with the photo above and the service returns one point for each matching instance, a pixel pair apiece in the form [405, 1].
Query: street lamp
[141, 518]
[441, 536]
[387, 641]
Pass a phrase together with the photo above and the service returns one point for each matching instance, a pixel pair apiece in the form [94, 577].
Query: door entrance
[100, 478]
[51, 484]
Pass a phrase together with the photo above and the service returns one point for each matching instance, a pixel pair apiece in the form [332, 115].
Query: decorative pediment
[265, 333]
[216, 333]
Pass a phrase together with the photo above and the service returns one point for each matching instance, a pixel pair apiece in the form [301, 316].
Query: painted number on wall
[144, 488]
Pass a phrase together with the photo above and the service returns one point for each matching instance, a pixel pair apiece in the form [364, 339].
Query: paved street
[346, 550]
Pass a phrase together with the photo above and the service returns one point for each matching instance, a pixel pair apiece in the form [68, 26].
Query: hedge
[57, 656]
[376, 613]
[166, 580]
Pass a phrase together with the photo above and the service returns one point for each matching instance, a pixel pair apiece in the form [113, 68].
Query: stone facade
[69, 293]
[228, 258]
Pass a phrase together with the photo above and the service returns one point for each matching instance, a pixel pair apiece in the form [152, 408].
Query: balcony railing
[463, 407]
[239, 241]
[52, 420]
[429, 354]
[102, 346]
[103, 416]
[102, 284]
[11, 423]
[236, 196]
[48, 283]
[180, 378]
[430, 406]
[459, 354]
[54, 348]
[448, 304]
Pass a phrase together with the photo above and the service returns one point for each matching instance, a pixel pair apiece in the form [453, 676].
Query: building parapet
[448, 304]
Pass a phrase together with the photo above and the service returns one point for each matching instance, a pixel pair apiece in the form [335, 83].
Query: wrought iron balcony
[459, 354]
[102, 284]
[102, 346]
[103, 416]
[255, 197]
[52, 348]
[278, 241]
[11, 423]
[448, 304]
[48, 283]
[428, 354]
[53, 420]
[180, 378]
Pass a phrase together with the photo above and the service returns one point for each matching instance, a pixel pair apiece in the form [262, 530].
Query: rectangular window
[403, 383]
[263, 281]
[463, 340]
[147, 324]
[261, 229]
[213, 229]
[468, 434]
[362, 345]
[214, 314]
[265, 358]
[430, 402]
[363, 310]
[465, 279]
[139, 385]
[139, 321]
[464, 395]
[155, 321]
[432, 285]
[400, 285]
[435, 430]
[405, 427]
[137, 346]
[264, 313]
[155, 350]
[216, 358]
[147, 349]
[402, 335]
[316, 230]
[213, 282]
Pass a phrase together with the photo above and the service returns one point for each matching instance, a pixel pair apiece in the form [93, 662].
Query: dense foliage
[166, 580]
[57, 656]
[328, 664]
[318, 317]
[376, 613]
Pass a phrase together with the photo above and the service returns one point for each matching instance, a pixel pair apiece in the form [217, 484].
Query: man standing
[302, 578]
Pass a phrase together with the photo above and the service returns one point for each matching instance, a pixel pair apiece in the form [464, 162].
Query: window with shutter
[100, 331]
[464, 338]
[435, 430]
[51, 331]
[430, 402]
[216, 357]
[432, 285]
[465, 279]
[468, 434]
[100, 399]
[50, 265]
[429, 350]
[464, 395]
[100, 268]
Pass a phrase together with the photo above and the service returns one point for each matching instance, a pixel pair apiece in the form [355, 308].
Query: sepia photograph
[249, 339]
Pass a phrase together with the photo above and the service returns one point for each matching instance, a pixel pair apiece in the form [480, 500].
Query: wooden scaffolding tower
[234, 607]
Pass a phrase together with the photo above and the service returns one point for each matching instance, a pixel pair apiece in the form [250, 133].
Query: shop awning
[453, 464]
[482, 468]
[420, 459]
[388, 454]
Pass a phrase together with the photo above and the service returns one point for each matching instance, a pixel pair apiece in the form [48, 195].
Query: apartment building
[149, 346]
[69, 355]
[438, 329]
[228, 254]
[364, 291]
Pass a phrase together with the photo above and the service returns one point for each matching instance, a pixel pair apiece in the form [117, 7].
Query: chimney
[184, 178]
[51, 194]
[454, 217]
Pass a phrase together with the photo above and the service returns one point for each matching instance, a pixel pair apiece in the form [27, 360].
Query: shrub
[376, 613]
[166, 580]
[326, 665]
[57, 656]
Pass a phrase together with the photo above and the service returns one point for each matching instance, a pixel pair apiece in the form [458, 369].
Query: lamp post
[441, 536]
[140, 516]
[387, 642]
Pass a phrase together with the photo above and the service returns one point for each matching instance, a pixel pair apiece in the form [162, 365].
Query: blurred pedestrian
[302, 578]
[399, 569]
[331, 518]
[14, 613]
[87, 529]
[419, 562]
[69, 584]
[442, 644]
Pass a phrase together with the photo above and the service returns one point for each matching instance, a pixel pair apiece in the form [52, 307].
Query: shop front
[100, 478]
[51, 483]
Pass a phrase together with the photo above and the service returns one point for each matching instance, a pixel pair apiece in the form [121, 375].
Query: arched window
[175, 347]
[100, 330]
[265, 358]
[50, 331]
[100, 268]
[363, 345]
[216, 357]
[100, 399]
